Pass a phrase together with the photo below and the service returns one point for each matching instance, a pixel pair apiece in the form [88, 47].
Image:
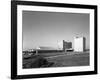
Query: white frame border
[21, 71]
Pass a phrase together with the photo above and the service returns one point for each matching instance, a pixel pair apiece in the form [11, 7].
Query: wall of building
[64, 45]
[67, 45]
[79, 44]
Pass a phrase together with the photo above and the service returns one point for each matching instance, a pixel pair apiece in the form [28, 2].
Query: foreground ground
[59, 59]
[70, 59]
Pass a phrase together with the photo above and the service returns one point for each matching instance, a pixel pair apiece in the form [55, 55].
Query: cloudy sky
[48, 28]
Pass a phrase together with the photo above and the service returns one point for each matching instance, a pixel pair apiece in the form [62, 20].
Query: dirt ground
[62, 59]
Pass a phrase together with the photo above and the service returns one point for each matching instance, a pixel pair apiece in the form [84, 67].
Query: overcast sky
[48, 28]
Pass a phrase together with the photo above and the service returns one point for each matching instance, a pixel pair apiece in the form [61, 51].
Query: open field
[59, 59]
[70, 60]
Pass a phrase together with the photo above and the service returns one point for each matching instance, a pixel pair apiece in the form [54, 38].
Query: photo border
[14, 31]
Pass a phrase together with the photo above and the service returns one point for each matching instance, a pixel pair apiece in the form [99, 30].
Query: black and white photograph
[53, 39]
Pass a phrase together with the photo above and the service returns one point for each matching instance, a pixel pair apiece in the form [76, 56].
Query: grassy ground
[81, 59]
[63, 59]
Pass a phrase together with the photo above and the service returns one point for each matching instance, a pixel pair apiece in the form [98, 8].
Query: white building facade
[79, 44]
